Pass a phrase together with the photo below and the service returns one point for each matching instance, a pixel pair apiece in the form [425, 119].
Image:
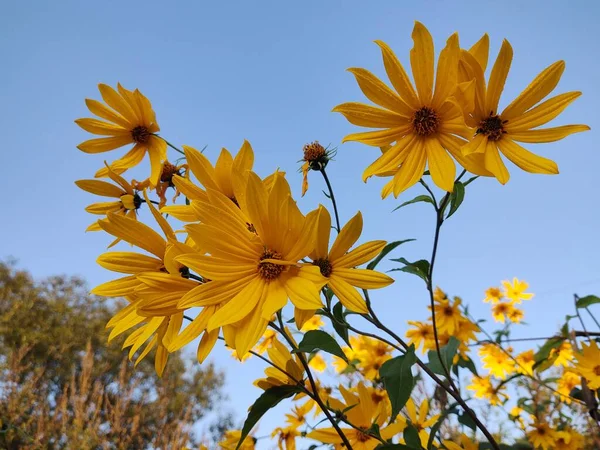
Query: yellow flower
[562, 355]
[502, 309]
[588, 364]
[516, 291]
[298, 416]
[267, 341]
[227, 176]
[421, 334]
[286, 437]
[314, 323]
[253, 263]
[447, 315]
[338, 265]
[525, 362]
[282, 358]
[493, 295]
[519, 121]
[569, 439]
[362, 415]
[483, 388]
[542, 436]
[231, 439]
[420, 420]
[466, 331]
[566, 383]
[496, 360]
[318, 363]
[168, 172]
[516, 315]
[128, 119]
[424, 124]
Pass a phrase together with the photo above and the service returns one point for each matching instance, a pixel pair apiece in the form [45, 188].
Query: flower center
[597, 370]
[492, 127]
[140, 134]
[362, 436]
[448, 311]
[168, 171]
[541, 431]
[324, 266]
[267, 270]
[316, 155]
[425, 121]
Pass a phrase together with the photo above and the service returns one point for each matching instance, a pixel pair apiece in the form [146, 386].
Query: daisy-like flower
[231, 439]
[253, 253]
[588, 364]
[562, 355]
[362, 415]
[128, 119]
[286, 437]
[281, 357]
[314, 323]
[524, 362]
[127, 202]
[338, 265]
[484, 388]
[501, 310]
[496, 360]
[493, 295]
[420, 421]
[423, 125]
[420, 333]
[167, 173]
[569, 439]
[542, 436]
[267, 341]
[519, 121]
[516, 315]
[515, 291]
[227, 176]
[566, 383]
[447, 315]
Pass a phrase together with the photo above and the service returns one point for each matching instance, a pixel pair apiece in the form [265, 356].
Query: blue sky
[270, 72]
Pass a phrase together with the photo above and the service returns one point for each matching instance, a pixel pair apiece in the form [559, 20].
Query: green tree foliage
[63, 386]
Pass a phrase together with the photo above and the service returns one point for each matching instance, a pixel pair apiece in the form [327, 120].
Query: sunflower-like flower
[253, 259]
[425, 126]
[128, 119]
[483, 387]
[286, 437]
[588, 364]
[493, 295]
[447, 314]
[421, 334]
[542, 436]
[569, 439]
[338, 265]
[566, 383]
[361, 411]
[502, 310]
[562, 355]
[231, 439]
[524, 362]
[515, 291]
[127, 203]
[496, 360]
[282, 358]
[420, 420]
[519, 121]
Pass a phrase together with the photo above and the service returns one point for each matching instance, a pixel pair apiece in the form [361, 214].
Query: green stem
[335, 210]
[171, 145]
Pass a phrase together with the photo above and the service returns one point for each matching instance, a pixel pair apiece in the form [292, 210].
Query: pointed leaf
[388, 248]
[320, 340]
[456, 198]
[398, 379]
[417, 199]
[586, 301]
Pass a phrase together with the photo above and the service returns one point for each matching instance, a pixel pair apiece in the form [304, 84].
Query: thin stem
[593, 317]
[430, 192]
[452, 391]
[154, 202]
[171, 145]
[575, 298]
[335, 210]
[317, 398]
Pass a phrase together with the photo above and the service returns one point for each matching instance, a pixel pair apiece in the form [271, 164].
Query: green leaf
[456, 198]
[435, 428]
[468, 364]
[339, 321]
[269, 399]
[419, 268]
[466, 420]
[586, 301]
[411, 437]
[417, 199]
[319, 340]
[447, 353]
[397, 377]
[388, 248]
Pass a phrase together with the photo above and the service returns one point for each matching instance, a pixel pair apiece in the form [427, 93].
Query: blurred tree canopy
[63, 386]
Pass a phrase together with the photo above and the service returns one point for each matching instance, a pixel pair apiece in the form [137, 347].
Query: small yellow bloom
[493, 295]
[318, 363]
[562, 355]
[516, 291]
[231, 439]
[282, 358]
[447, 315]
[502, 309]
[525, 362]
[496, 360]
[314, 323]
[421, 334]
[566, 383]
[542, 436]
[483, 388]
[569, 439]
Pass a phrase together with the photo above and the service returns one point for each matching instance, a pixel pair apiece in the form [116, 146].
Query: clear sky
[270, 72]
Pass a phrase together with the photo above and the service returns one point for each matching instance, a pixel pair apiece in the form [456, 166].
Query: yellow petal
[156, 150]
[162, 222]
[412, 169]
[547, 134]
[323, 234]
[348, 295]
[275, 298]
[494, 163]
[475, 145]
[392, 158]
[208, 341]
[193, 330]
[239, 306]
[303, 293]
[398, 76]
[539, 88]
[348, 235]
[200, 167]
[100, 145]
[474, 163]
[498, 78]
[221, 244]
[441, 165]
[360, 255]
[542, 113]
[223, 169]
[327, 435]
[129, 262]
[175, 322]
[244, 160]
[526, 160]
[422, 61]
[104, 208]
[102, 128]
[481, 50]
[160, 360]
[377, 91]
[379, 138]
[135, 233]
[117, 288]
[106, 113]
[447, 72]
[118, 103]
[213, 293]
[301, 316]
[249, 332]
[370, 116]
[256, 203]
[131, 159]
[217, 269]
[363, 278]
[185, 213]
[189, 189]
